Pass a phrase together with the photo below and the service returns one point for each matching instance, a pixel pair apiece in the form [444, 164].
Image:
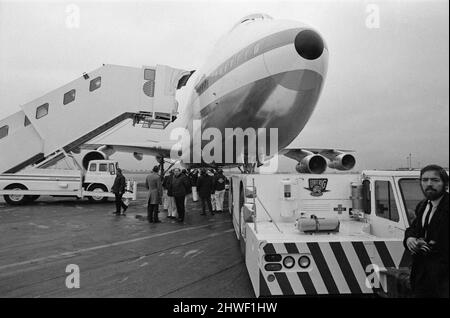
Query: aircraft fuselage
[264, 73]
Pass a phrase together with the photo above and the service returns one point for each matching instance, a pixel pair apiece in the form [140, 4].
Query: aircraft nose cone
[309, 44]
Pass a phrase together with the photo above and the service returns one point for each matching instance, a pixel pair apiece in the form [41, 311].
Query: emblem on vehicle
[317, 186]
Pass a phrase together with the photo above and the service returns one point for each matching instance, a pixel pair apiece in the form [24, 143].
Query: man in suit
[154, 186]
[180, 187]
[118, 189]
[427, 238]
[205, 187]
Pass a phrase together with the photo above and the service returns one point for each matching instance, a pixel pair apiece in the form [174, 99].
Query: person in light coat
[172, 212]
[219, 188]
[154, 186]
[213, 195]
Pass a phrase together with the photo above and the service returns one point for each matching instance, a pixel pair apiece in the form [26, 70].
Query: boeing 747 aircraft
[264, 76]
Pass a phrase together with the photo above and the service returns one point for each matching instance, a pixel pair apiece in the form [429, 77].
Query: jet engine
[342, 161]
[93, 155]
[102, 153]
[312, 164]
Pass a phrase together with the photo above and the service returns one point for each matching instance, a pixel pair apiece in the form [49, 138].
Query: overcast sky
[386, 93]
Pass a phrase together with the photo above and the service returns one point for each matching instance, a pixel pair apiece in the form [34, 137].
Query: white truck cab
[392, 197]
[95, 183]
[99, 177]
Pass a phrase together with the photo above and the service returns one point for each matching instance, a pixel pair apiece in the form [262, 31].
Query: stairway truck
[327, 234]
[93, 183]
[73, 114]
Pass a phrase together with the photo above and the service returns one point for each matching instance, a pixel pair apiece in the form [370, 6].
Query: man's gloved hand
[413, 245]
[427, 247]
[419, 246]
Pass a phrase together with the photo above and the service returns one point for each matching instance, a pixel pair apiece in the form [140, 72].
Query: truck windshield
[411, 194]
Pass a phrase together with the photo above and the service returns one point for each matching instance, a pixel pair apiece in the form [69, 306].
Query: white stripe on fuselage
[255, 69]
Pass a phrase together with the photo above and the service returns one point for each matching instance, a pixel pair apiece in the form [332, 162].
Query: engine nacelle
[342, 162]
[93, 155]
[312, 164]
[107, 150]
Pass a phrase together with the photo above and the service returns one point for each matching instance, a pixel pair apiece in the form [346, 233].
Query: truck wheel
[98, 198]
[16, 199]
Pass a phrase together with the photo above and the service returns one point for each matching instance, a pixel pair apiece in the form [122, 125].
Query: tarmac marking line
[201, 279]
[94, 248]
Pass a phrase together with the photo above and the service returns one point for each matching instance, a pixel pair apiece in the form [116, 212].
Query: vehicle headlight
[304, 261]
[288, 262]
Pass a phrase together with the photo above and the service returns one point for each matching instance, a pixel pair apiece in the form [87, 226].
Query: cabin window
[411, 194]
[42, 111]
[69, 97]
[4, 131]
[26, 122]
[93, 167]
[241, 57]
[95, 84]
[103, 167]
[248, 54]
[149, 88]
[149, 74]
[385, 205]
[256, 49]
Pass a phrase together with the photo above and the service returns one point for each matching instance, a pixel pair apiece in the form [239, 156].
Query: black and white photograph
[224, 156]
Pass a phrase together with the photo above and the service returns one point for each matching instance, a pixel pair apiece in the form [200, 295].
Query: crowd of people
[208, 185]
[171, 192]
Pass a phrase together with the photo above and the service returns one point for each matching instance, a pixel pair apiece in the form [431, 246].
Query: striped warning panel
[335, 267]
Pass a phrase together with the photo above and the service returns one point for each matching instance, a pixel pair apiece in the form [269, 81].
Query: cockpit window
[253, 17]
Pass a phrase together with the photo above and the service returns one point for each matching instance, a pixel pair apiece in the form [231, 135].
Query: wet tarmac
[117, 256]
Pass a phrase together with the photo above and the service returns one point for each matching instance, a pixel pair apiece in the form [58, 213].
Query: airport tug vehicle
[327, 234]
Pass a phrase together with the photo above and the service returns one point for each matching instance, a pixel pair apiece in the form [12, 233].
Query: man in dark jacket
[180, 186]
[118, 189]
[427, 238]
[219, 189]
[205, 189]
